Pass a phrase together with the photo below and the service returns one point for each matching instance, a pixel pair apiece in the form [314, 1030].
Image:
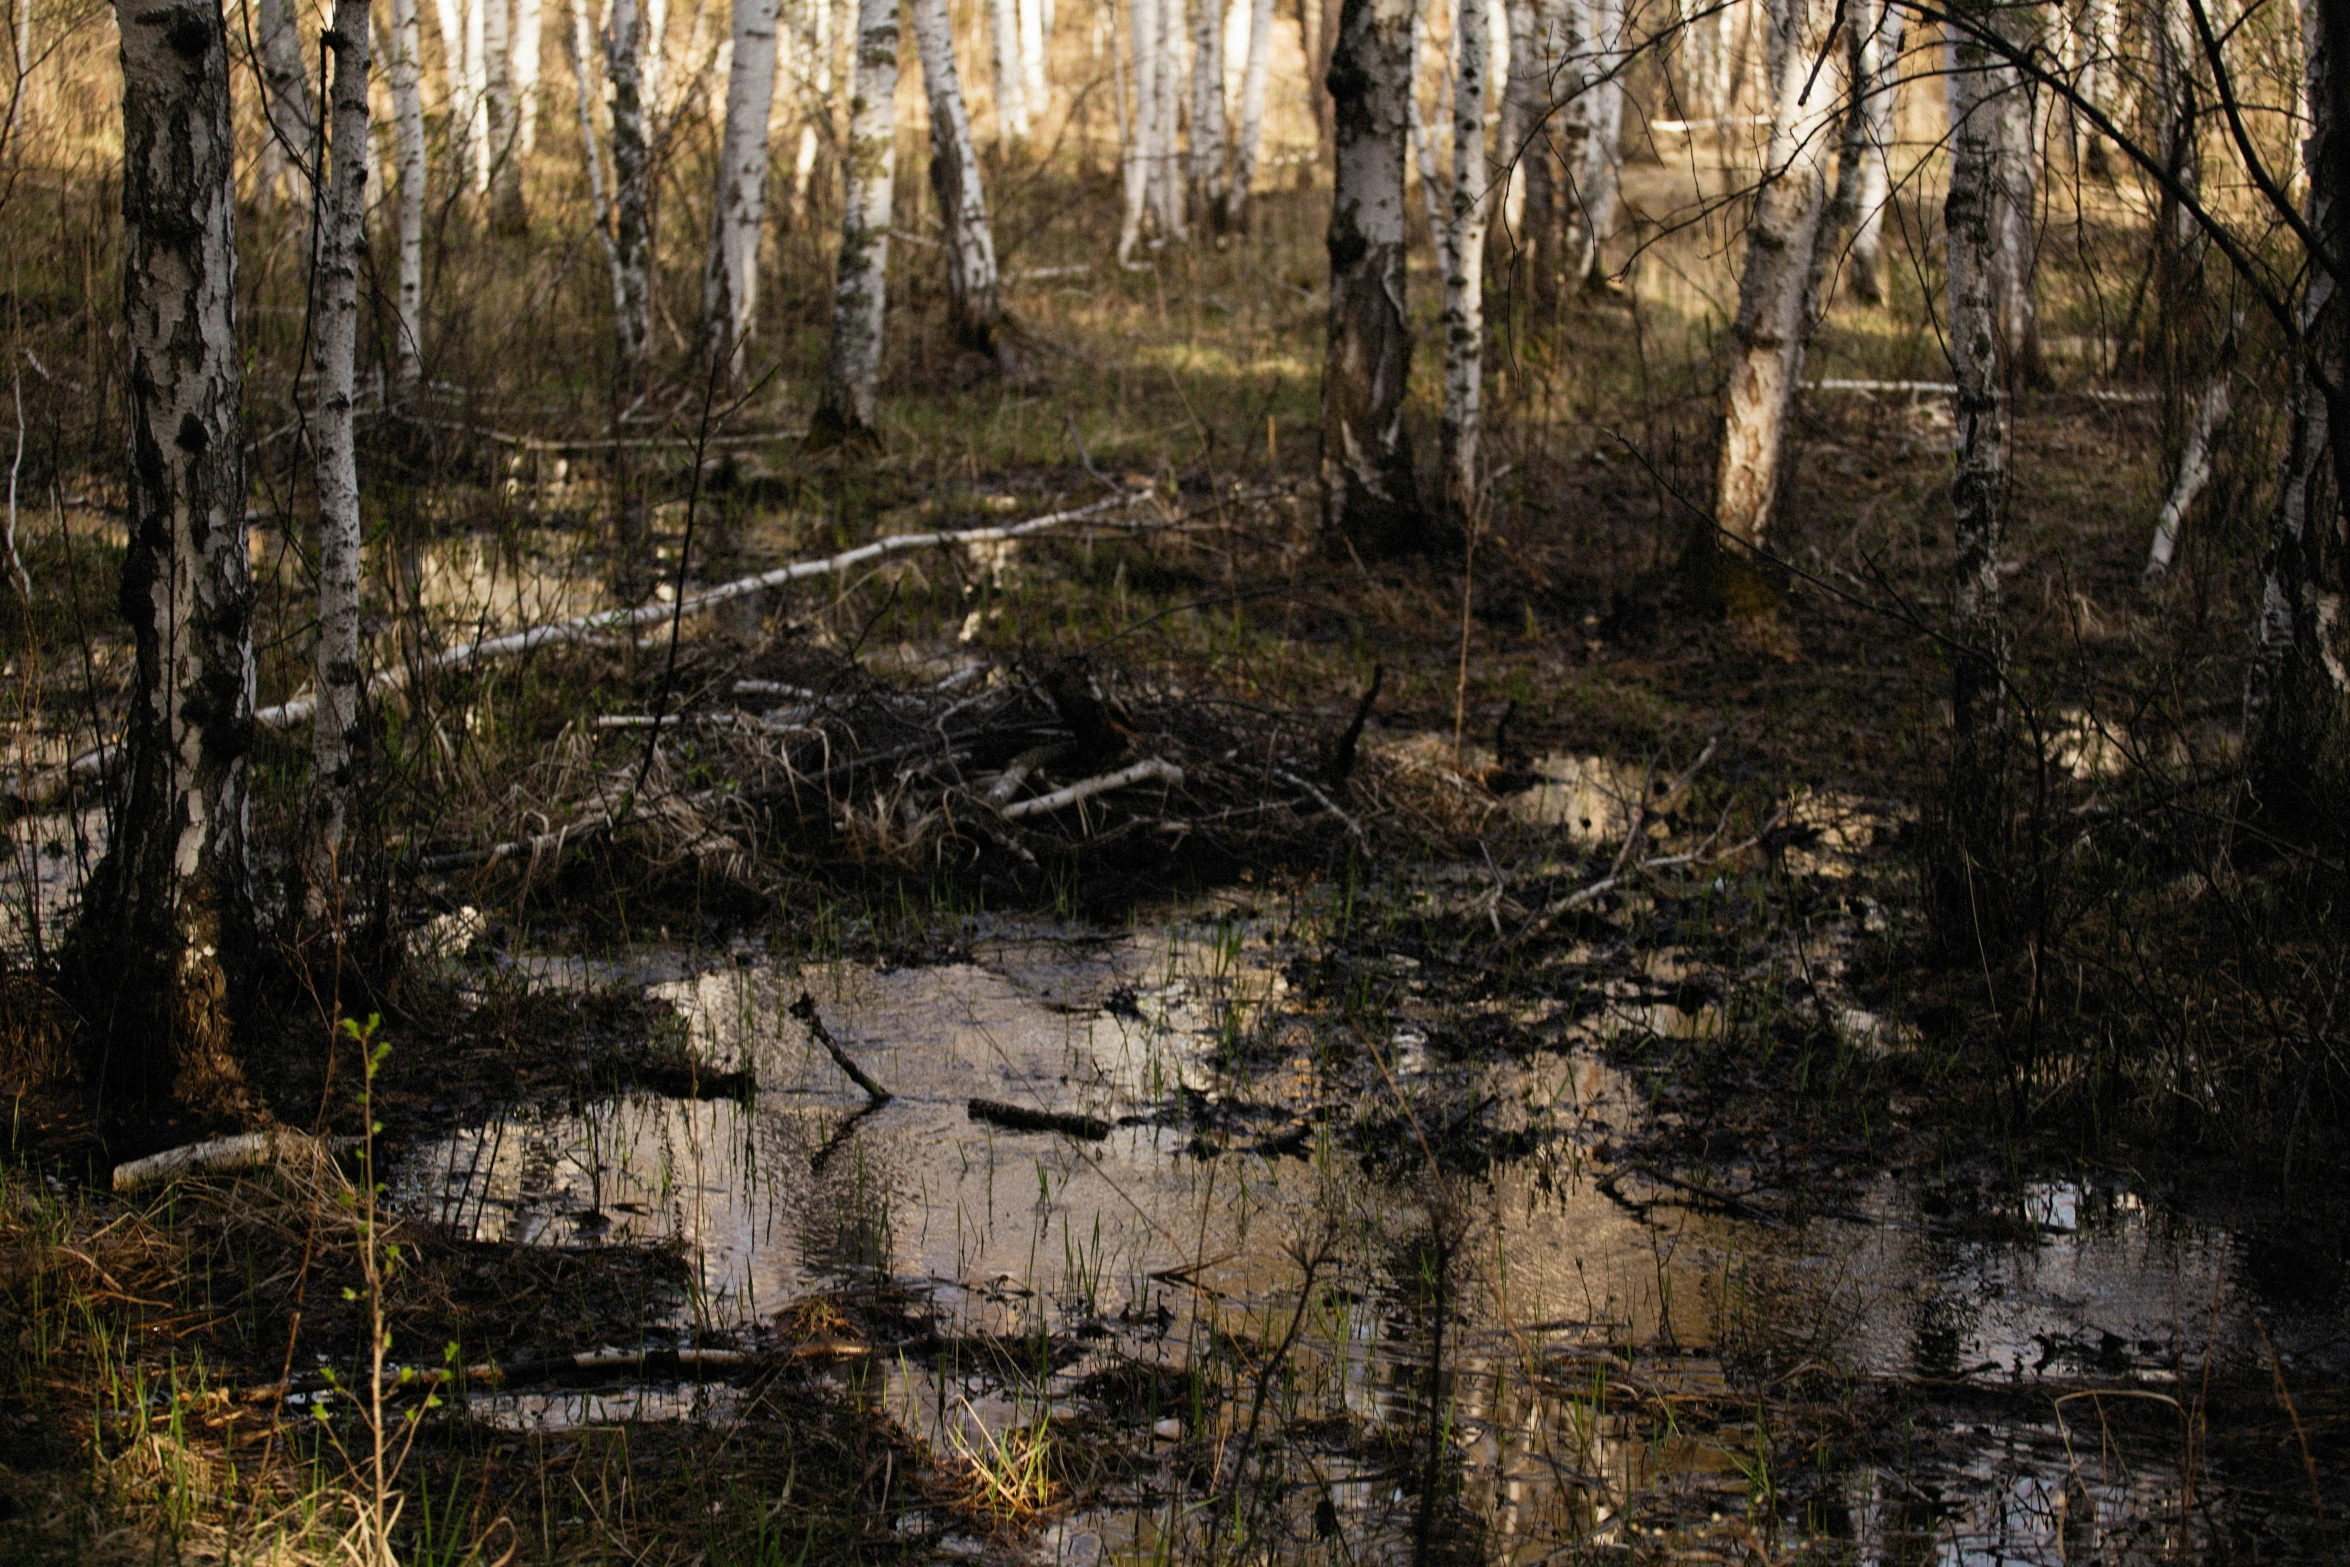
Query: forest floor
[1546, 1126]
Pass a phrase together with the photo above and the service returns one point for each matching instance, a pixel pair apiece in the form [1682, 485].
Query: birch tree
[1767, 337]
[292, 139]
[631, 171]
[334, 360]
[477, 91]
[1877, 62]
[2297, 696]
[450, 15]
[163, 957]
[1167, 182]
[505, 126]
[407, 78]
[852, 368]
[1971, 219]
[524, 71]
[1601, 180]
[1035, 87]
[730, 282]
[1250, 143]
[1369, 500]
[1011, 96]
[1464, 264]
[1134, 162]
[2017, 214]
[974, 297]
[1208, 168]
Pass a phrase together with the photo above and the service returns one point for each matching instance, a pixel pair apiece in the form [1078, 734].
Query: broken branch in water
[1015, 1118]
[805, 1010]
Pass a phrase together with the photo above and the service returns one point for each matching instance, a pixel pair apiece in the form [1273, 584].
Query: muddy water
[1252, 1290]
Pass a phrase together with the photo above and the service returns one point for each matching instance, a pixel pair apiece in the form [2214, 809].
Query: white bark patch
[852, 370]
[1768, 336]
[731, 280]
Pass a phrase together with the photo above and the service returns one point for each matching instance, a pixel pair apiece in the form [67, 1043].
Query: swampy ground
[1557, 1123]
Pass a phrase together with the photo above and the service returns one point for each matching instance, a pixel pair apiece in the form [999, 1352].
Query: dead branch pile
[997, 766]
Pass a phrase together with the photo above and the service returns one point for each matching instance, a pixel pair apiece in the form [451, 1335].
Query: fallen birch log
[48, 785]
[1148, 768]
[225, 1155]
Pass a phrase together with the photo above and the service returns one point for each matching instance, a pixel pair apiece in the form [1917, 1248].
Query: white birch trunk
[1167, 182]
[1035, 32]
[477, 91]
[1252, 114]
[528, 65]
[852, 371]
[1208, 177]
[1369, 496]
[631, 160]
[450, 16]
[974, 296]
[290, 126]
[730, 283]
[407, 78]
[1767, 338]
[1133, 120]
[1011, 97]
[652, 55]
[1464, 264]
[2211, 415]
[165, 946]
[1971, 221]
[1602, 173]
[505, 132]
[2019, 234]
[334, 359]
[1880, 55]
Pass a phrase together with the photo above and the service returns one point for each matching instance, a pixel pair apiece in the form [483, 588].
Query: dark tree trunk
[162, 960]
[1368, 497]
[2297, 708]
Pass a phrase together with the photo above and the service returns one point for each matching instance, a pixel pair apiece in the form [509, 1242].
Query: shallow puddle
[1253, 1289]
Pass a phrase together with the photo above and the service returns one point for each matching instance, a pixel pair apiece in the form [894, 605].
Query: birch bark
[1880, 61]
[450, 15]
[528, 64]
[730, 282]
[1369, 500]
[477, 90]
[2018, 173]
[1208, 177]
[1464, 265]
[1601, 180]
[505, 130]
[1011, 97]
[631, 234]
[1971, 221]
[292, 128]
[1035, 89]
[163, 956]
[1252, 115]
[408, 118]
[1167, 182]
[852, 370]
[1767, 337]
[1134, 123]
[335, 353]
[974, 298]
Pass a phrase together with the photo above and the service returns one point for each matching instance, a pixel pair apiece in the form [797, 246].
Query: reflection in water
[1618, 1356]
